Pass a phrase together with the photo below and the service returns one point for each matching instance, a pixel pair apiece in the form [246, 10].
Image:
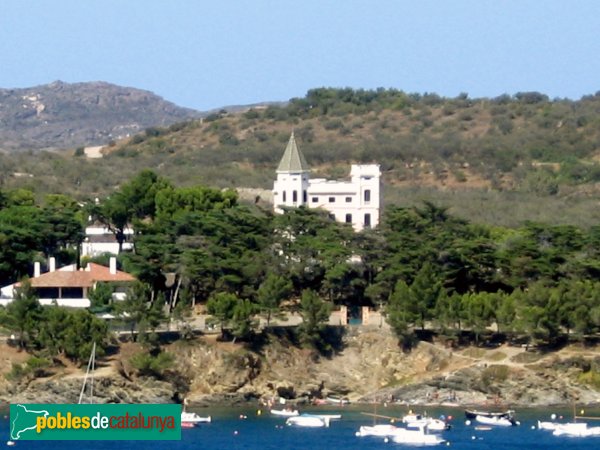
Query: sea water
[245, 428]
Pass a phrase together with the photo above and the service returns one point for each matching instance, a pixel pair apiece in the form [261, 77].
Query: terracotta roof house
[68, 286]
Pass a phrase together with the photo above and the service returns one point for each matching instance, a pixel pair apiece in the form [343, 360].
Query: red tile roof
[81, 278]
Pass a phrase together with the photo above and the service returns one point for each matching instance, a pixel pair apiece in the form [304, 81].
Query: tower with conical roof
[291, 187]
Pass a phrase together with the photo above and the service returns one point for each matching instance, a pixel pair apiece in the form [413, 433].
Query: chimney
[52, 264]
[113, 265]
[36, 269]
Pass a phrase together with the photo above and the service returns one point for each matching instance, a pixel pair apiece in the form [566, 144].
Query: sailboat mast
[91, 365]
[92, 376]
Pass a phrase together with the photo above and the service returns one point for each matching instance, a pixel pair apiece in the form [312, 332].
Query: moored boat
[577, 429]
[496, 420]
[329, 416]
[307, 420]
[503, 418]
[430, 423]
[382, 430]
[420, 437]
[419, 421]
[285, 412]
[337, 400]
[191, 419]
[547, 425]
[472, 413]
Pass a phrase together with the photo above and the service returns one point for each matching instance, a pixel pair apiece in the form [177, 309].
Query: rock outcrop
[367, 367]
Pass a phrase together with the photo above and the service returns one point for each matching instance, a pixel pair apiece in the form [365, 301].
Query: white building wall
[69, 302]
[357, 201]
[284, 188]
[91, 248]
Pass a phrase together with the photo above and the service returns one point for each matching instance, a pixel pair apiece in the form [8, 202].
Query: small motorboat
[551, 426]
[420, 437]
[307, 420]
[577, 429]
[503, 418]
[419, 421]
[382, 430]
[496, 420]
[190, 419]
[285, 412]
[337, 400]
[329, 416]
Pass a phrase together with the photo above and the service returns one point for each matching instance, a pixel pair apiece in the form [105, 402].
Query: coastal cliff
[367, 366]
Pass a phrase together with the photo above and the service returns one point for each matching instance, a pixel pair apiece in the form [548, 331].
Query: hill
[497, 160]
[63, 115]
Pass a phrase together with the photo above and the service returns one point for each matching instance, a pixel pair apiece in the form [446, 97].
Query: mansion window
[367, 195]
[348, 218]
[295, 196]
[284, 196]
[315, 199]
[331, 199]
[348, 199]
[304, 196]
[367, 220]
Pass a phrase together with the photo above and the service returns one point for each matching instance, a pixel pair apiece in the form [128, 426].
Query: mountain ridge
[66, 115]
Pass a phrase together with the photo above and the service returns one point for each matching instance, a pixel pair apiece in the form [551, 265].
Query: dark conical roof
[293, 160]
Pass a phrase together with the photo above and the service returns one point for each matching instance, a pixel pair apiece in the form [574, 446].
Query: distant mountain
[65, 115]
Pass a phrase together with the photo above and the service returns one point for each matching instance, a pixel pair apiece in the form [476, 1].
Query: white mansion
[357, 201]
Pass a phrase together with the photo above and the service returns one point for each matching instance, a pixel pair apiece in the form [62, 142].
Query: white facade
[357, 201]
[99, 239]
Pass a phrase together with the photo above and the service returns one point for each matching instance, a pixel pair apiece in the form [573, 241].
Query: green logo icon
[95, 422]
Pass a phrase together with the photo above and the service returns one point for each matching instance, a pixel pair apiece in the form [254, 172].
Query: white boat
[551, 426]
[191, 419]
[420, 437]
[337, 400]
[577, 429]
[496, 420]
[419, 421]
[430, 423]
[285, 412]
[329, 416]
[383, 430]
[307, 420]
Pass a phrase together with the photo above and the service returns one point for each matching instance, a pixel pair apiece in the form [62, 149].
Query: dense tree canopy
[424, 267]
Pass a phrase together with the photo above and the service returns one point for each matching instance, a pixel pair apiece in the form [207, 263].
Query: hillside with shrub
[500, 160]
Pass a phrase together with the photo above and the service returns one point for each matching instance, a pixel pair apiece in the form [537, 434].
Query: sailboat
[89, 373]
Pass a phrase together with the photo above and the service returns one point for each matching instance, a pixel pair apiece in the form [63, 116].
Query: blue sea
[244, 428]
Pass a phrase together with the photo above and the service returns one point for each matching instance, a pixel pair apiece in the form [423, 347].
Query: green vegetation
[498, 160]
[150, 364]
[424, 267]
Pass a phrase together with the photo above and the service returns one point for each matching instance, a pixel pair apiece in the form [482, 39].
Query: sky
[206, 55]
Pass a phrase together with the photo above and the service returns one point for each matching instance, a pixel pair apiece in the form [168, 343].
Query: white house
[99, 239]
[68, 286]
[357, 201]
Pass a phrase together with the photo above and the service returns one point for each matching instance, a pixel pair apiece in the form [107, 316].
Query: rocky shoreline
[369, 368]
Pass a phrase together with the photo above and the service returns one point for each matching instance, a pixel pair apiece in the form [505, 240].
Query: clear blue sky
[205, 55]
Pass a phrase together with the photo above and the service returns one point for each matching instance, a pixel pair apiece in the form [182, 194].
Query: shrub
[494, 374]
[152, 365]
